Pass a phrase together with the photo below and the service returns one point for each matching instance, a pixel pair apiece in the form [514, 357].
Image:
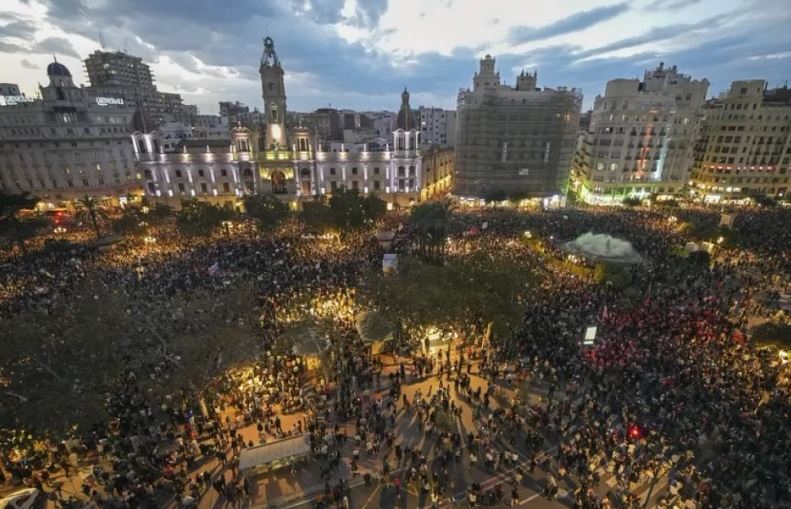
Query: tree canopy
[478, 288]
[266, 209]
[351, 210]
[200, 218]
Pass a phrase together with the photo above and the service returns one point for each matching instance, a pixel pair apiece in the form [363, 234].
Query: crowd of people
[671, 394]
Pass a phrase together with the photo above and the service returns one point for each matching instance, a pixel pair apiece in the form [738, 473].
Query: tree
[11, 227]
[348, 209]
[431, 221]
[129, 223]
[316, 215]
[60, 361]
[88, 208]
[478, 287]
[266, 209]
[614, 274]
[159, 213]
[199, 218]
[632, 201]
[375, 208]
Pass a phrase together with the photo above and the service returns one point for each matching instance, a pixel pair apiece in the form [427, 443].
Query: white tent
[274, 451]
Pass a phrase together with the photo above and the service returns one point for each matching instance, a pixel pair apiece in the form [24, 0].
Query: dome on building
[58, 69]
[405, 119]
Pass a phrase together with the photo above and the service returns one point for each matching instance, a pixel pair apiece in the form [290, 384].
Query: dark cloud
[321, 67]
[574, 23]
[56, 46]
[19, 28]
[27, 64]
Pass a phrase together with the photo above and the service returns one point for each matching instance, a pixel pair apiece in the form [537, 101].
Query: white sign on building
[107, 101]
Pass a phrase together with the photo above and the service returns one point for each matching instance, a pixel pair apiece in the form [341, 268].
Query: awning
[274, 451]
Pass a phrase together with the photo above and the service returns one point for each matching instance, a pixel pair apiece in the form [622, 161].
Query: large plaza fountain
[604, 247]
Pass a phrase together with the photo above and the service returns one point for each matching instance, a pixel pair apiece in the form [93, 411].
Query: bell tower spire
[274, 94]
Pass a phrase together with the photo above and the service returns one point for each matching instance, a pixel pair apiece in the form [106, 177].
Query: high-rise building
[68, 144]
[117, 69]
[513, 141]
[640, 137]
[120, 75]
[744, 148]
[438, 126]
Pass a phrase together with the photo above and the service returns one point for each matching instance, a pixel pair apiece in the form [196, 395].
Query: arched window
[148, 174]
[305, 173]
[400, 142]
[278, 180]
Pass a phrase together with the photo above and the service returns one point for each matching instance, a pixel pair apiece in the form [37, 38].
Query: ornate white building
[297, 162]
[217, 170]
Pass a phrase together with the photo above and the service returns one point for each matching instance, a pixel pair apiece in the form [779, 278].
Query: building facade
[744, 148]
[117, 74]
[513, 141]
[437, 165]
[438, 126]
[220, 171]
[68, 144]
[640, 137]
[296, 162]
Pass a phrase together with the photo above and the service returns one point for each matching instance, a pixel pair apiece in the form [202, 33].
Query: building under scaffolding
[514, 142]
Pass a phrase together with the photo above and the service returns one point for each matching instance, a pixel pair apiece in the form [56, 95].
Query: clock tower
[274, 93]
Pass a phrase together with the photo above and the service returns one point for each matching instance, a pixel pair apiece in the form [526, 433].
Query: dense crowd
[670, 390]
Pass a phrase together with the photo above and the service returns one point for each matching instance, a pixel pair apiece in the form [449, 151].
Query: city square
[413, 254]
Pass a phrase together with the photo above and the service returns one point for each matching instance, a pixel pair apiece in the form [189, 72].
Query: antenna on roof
[101, 40]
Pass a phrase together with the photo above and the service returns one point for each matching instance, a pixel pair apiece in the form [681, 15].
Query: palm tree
[431, 221]
[88, 208]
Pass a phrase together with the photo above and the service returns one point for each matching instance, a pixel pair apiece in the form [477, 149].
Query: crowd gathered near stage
[672, 394]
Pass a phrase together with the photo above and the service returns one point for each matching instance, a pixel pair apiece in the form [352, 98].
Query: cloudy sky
[361, 53]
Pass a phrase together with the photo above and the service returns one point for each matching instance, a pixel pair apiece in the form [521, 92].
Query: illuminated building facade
[513, 141]
[744, 147]
[640, 137]
[297, 163]
[68, 144]
[220, 171]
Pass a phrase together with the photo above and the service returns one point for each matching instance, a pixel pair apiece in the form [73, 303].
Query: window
[226, 188]
[376, 170]
[181, 188]
[355, 184]
[201, 173]
[178, 173]
[377, 185]
[354, 171]
[203, 187]
[332, 171]
[334, 185]
[223, 172]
